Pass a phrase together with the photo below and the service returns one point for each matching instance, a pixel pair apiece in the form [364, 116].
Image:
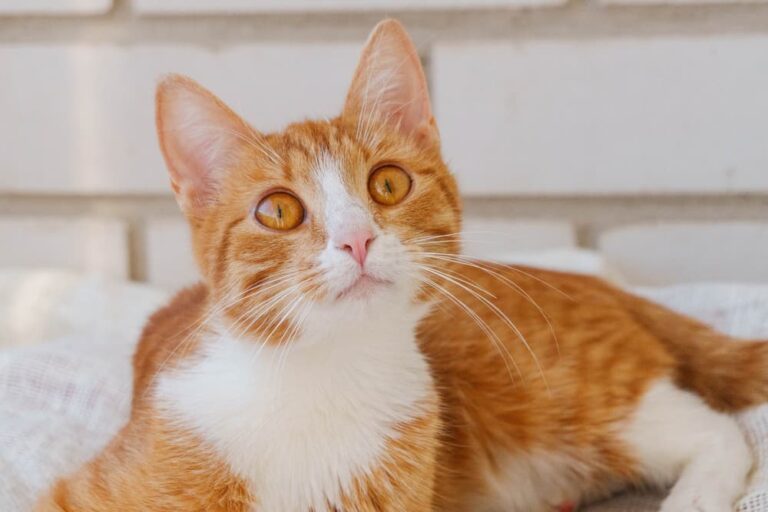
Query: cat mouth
[364, 286]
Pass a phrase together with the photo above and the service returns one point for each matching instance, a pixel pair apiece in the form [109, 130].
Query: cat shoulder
[169, 334]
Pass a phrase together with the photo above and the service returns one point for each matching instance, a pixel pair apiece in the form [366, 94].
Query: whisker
[492, 336]
[193, 330]
[499, 313]
[460, 235]
[297, 322]
[458, 277]
[220, 305]
[285, 313]
[504, 279]
[462, 259]
[260, 310]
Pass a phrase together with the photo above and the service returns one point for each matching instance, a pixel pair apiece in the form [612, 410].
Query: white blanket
[62, 399]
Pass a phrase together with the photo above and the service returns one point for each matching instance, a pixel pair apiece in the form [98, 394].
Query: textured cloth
[62, 400]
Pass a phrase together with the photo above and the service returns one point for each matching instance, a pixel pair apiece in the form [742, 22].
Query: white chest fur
[300, 426]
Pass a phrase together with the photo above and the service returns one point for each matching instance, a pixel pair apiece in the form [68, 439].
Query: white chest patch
[299, 426]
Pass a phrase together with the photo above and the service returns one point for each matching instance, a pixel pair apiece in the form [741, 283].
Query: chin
[371, 295]
[366, 289]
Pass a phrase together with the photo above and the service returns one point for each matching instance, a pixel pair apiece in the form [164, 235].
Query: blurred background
[630, 136]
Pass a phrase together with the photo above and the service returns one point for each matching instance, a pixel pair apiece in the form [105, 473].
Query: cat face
[325, 215]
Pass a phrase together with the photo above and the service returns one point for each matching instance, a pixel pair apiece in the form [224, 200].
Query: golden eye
[280, 210]
[389, 184]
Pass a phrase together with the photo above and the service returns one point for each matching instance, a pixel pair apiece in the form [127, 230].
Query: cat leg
[675, 435]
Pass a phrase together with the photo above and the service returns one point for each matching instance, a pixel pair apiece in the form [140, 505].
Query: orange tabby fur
[599, 350]
[151, 465]
[584, 355]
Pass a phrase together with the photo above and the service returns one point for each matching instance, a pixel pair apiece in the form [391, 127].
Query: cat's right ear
[200, 138]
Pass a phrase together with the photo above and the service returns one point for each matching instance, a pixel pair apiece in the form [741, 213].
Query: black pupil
[279, 211]
[387, 185]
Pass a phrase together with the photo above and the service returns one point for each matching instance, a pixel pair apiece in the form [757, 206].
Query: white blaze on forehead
[342, 211]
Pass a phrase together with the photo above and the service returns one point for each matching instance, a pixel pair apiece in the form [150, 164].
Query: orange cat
[341, 355]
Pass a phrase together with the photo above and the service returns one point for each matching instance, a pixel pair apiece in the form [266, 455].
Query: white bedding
[65, 373]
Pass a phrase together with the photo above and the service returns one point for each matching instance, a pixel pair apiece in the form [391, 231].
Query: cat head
[333, 215]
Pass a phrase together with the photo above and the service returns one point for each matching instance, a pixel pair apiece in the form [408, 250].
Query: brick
[679, 2]
[657, 254]
[661, 115]
[500, 239]
[538, 243]
[54, 7]
[170, 263]
[81, 118]
[90, 245]
[258, 6]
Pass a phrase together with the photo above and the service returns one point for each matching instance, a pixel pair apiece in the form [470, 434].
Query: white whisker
[495, 340]
[499, 314]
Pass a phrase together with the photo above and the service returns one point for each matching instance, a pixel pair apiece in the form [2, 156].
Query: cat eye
[280, 210]
[389, 184]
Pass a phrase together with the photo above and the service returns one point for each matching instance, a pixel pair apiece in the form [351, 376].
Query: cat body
[605, 397]
[282, 432]
[342, 355]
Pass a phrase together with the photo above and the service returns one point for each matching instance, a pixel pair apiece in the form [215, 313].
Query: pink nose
[356, 243]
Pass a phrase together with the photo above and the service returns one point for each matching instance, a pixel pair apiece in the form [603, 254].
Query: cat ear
[389, 85]
[200, 138]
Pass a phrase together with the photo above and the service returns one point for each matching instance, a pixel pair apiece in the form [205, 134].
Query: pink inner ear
[389, 84]
[199, 137]
[408, 104]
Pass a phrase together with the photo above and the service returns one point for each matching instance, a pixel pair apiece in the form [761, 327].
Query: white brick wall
[499, 238]
[667, 115]
[54, 7]
[567, 123]
[98, 246]
[81, 118]
[664, 253]
[170, 261]
[678, 2]
[250, 6]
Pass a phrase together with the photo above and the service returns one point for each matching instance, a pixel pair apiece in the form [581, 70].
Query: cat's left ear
[389, 85]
